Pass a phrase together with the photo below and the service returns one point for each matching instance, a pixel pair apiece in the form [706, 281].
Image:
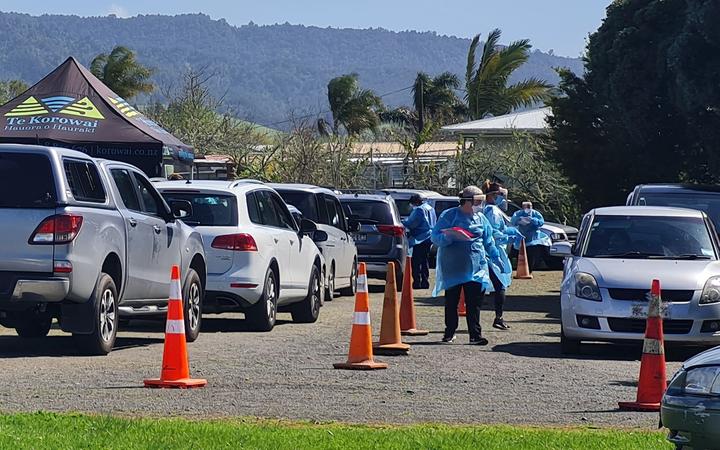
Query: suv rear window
[84, 181]
[209, 210]
[379, 212]
[26, 181]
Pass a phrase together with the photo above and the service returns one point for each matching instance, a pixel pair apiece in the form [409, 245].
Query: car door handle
[132, 222]
[276, 240]
[292, 242]
[157, 229]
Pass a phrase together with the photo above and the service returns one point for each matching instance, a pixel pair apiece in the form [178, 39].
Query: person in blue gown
[528, 221]
[464, 240]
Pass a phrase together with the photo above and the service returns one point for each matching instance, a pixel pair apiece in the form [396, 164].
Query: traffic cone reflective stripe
[653, 373]
[360, 356]
[390, 341]
[175, 371]
[408, 326]
[462, 309]
[523, 269]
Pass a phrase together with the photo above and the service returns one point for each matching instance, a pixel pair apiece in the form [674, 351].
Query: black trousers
[420, 266]
[499, 294]
[474, 294]
[535, 254]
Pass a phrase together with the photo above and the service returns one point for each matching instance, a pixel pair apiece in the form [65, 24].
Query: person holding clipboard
[464, 239]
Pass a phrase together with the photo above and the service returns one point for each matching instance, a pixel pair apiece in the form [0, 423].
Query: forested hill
[265, 72]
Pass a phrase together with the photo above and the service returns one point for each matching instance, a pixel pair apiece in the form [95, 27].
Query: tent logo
[58, 104]
[124, 107]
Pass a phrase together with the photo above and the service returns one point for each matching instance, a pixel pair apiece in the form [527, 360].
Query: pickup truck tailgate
[17, 225]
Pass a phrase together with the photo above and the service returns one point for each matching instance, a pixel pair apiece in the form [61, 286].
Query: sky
[559, 25]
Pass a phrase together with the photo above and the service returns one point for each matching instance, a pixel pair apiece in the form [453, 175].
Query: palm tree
[486, 81]
[436, 97]
[352, 108]
[121, 72]
[10, 89]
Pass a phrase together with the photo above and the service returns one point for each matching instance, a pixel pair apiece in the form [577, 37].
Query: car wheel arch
[113, 267]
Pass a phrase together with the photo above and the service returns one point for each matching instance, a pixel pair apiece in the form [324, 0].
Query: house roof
[533, 121]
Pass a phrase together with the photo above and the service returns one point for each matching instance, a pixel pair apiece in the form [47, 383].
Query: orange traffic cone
[175, 371]
[390, 342]
[462, 312]
[360, 356]
[523, 270]
[653, 376]
[408, 327]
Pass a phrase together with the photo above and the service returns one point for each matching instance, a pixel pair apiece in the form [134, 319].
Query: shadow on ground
[62, 346]
[548, 304]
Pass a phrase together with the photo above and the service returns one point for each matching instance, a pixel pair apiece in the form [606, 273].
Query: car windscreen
[647, 237]
[706, 202]
[26, 181]
[304, 201]
[404, 207]
[442, 205]
[369, 210]
[209, 210]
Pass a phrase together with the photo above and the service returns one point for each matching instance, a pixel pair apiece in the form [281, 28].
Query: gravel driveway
[520, 378]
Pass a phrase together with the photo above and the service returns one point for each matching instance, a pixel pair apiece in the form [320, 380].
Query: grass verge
[70, 431]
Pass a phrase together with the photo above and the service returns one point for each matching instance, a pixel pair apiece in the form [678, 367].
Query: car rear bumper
[47, 290]
[619, 320]
[232, 292]
[693, 422]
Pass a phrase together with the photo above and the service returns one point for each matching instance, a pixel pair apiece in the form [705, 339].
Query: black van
[704, 198]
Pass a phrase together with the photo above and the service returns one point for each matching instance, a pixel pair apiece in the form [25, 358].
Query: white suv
[259, 260]
[322, 206]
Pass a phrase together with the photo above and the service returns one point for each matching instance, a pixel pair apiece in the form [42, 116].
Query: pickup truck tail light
[58, 229]
[391, 230]
[240, 242]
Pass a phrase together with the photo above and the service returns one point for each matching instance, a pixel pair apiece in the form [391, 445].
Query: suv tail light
[391, 230]
[58, 229]
[240, 242]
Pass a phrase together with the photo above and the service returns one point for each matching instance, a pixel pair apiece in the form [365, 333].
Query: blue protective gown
[503, 235]
[419, 224]
[460, 262]
[530, 230]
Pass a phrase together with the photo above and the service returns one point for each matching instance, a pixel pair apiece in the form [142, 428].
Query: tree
[352, 108]
[486, 80]
[436, 97]
[648, 108]
[122, 73]
[10, 89]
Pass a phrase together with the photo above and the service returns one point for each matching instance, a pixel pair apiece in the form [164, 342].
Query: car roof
[234, 186]
[407, 193]
[647, 211]
[301, 188]
[43, 149]
[446, 197]
[366, 197]
[667, 188]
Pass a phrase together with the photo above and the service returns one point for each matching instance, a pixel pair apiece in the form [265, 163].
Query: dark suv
[381, 238]
[693, 196]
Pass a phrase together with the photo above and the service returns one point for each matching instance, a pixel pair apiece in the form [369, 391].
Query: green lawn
[66, 431]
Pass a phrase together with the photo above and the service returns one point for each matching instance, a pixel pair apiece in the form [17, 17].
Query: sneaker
[500, 324]
[479, 341]
[448, 339]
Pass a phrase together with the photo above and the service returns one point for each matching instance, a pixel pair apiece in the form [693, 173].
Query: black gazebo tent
[71, 108]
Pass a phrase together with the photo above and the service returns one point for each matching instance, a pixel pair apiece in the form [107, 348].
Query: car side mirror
[353, 226]
[561, 249]
[319, 236]
[181, 209]
[307, 226]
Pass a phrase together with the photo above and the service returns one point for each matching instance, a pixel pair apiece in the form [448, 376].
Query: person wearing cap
[419, 225]
[528, 221]
[464, 240]
[500, 277]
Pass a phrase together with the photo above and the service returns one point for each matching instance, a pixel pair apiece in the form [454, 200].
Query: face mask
[500, 202]
[477, 209]
[527, 210]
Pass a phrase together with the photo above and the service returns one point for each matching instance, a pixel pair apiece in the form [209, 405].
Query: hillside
[265, 72]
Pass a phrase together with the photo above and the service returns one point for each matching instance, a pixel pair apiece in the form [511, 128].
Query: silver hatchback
[608, 274]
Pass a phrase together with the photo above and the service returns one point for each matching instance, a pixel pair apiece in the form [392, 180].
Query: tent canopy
[70, 107]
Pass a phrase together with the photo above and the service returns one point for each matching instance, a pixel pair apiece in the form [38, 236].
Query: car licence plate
[360, 238]
[640, 310]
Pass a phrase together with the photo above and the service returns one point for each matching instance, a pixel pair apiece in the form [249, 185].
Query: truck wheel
[350, 290]
[308, 310]
[261, 316]
[193, 300]
[31, 324]
[105, 316]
